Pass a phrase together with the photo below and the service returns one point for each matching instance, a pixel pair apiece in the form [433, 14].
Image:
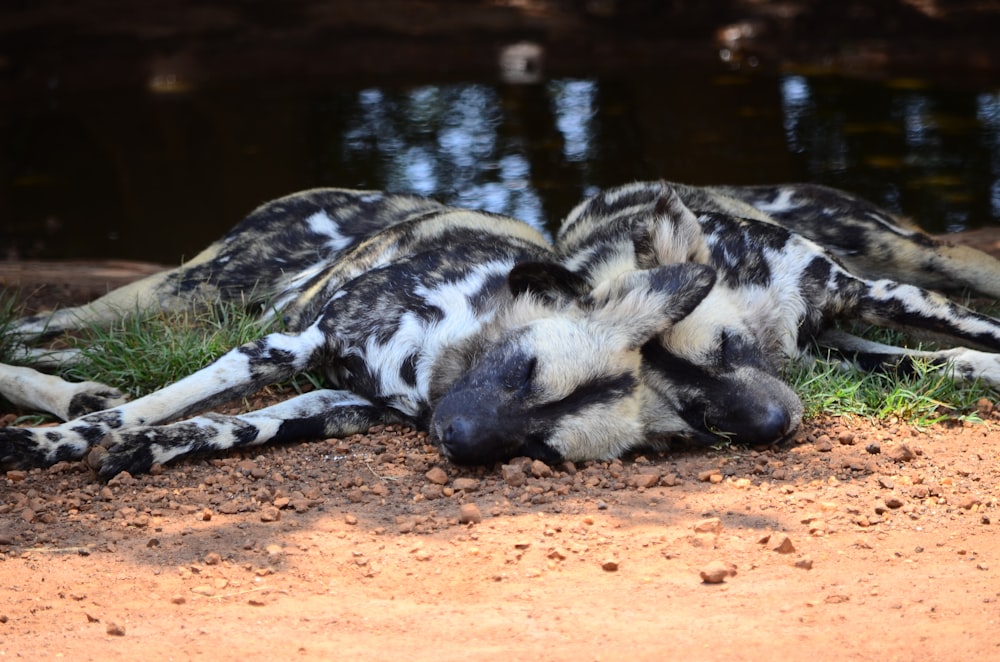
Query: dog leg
[31, 389]
[871, 242]
[138, 297]
[914, 310]
[317, 414]
[237, 373]
[961, 364]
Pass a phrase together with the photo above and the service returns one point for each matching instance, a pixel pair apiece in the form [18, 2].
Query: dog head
[731, 393]
[559, 375]
[713, 375]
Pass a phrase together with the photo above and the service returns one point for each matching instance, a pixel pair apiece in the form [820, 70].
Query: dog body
[455, 321]
[792, 263]
[667, 311]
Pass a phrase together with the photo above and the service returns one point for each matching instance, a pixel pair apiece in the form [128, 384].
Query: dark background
[144, 130]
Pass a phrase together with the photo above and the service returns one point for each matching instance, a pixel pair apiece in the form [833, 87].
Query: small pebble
[710, 525]
[540, 470]
[716, 572]
[437, 476]
[513, 475]
[779, 542]
[466, 484]
[901, 453]
[469, 514]
[646, 480]
[115, 630]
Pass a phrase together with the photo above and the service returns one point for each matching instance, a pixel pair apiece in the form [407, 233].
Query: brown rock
[513, 475]
[469, 514]
[466, 484]
[716, 572]
[437, 476]
[647, 479]
[540, 470]
[710, 525]
[779, 542]
[901, 453]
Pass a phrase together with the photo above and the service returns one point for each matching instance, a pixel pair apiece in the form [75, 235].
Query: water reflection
[138, 176]
[930, 154]
[988, 114]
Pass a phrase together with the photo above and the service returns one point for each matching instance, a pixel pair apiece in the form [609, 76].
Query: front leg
[314, 415]
[239, 372]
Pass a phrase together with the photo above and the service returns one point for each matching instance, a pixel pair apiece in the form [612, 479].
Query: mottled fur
[793, 263]
[459, 322]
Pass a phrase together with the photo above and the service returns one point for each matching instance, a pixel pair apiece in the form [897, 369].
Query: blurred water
[156, 177]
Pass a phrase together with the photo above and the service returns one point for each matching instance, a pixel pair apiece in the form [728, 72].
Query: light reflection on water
[133, 176]
[988, 114]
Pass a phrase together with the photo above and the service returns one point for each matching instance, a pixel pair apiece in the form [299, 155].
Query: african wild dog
[456, 321]
[792, 263]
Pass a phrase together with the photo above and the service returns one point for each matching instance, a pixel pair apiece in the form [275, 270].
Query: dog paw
[19, 449]
[125, 452]
[91, 396]
[969, 365]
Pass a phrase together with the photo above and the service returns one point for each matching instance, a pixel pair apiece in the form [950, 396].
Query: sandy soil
[858, 541]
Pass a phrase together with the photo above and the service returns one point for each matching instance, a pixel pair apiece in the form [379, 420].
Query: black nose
[456, 437]
[455, 433]
[771, 423]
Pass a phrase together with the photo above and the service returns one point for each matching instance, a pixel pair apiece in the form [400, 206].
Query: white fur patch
[321, 224]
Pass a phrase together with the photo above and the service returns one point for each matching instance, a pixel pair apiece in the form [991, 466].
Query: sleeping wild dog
[793, 263]
[453, 320]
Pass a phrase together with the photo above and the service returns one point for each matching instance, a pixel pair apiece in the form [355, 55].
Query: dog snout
[774, 422]
[455, 436]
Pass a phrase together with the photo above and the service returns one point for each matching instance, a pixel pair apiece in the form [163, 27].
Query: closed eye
[521, 375]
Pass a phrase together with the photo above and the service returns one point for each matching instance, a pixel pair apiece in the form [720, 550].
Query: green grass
[10, 309]
[143, 353]
[923, 397]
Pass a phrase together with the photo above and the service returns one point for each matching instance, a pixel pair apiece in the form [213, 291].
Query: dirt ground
[858, 541]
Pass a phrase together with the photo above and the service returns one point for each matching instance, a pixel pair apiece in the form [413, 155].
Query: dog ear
[669, 235]
[639, 305]
[546, 279]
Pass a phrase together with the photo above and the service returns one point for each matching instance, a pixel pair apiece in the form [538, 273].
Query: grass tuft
[922, 397]
[10, 310]
[142, 353]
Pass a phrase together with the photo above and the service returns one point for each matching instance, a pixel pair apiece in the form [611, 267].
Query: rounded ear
[546, 279]
[671, 234]
[639, 305]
